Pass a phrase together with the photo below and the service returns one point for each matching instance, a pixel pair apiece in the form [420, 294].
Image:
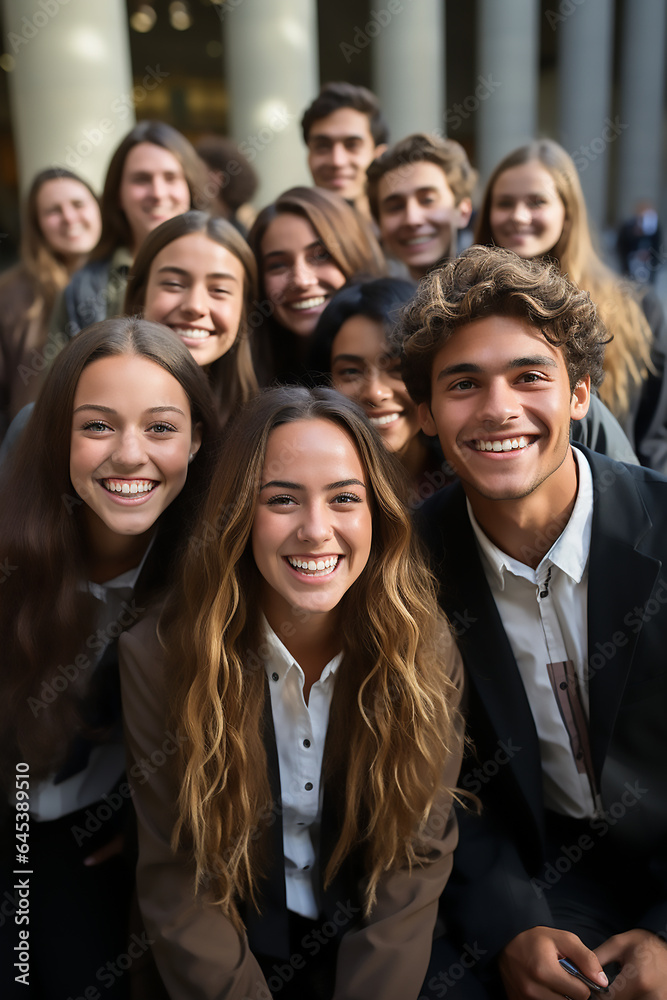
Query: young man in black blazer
[551, 562]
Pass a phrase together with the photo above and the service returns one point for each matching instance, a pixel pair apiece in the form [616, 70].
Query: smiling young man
[420, 193]
[344, 131]
[550, 560]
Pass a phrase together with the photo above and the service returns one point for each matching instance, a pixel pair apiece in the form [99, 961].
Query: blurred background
[76, 74]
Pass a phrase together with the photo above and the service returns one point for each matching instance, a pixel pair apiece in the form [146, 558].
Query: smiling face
[501, 406]
[340, 148]
[299, 274]
[153, 189]
[132, 438]
[311, 536]
[69, 217]
[527, 213]
[195, 287]
[363, 370]
[418, 215]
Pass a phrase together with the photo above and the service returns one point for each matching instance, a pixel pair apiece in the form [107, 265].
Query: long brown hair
[393, 724]
[45, 614]
[628, 355]
[116, 230]
[232, 376]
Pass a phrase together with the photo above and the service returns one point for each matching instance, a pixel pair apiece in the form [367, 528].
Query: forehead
[62, 189]
[146, 156]
[406, 180]
[526, 178]
[306, 450]
[345, 123]
[288, 231]
[494, 344]
[196, 252]
[360, 336]
[120, 379]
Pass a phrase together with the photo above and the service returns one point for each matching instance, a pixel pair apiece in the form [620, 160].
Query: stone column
[642, 84]
[71, 86]
[507, 79]
[587, 130]
[408, 58]
[271, 52]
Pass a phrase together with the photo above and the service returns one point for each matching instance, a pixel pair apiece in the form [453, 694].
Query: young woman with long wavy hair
[534, 205]
[300, 838]
[197, 275]
[94, 506]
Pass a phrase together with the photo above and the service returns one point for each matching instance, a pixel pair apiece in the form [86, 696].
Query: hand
[643, 960]
[114, 846]
[530, 970]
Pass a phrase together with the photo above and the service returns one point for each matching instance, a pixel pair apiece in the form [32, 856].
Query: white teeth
[388, 418]
[191, 333]
[308, 303]
[507, 444]
[122, 486]
[319, 567]
[416, 241]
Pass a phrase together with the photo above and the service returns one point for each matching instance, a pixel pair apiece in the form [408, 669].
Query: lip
[313, 580]
[294, 304]
[424, 240]
[182, 333]
[126, 499]
[509, 454]
[374, 416]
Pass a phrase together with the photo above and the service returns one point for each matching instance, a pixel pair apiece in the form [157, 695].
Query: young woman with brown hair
[197, 275]
[308, 243]
[300, 838]
[534, 205]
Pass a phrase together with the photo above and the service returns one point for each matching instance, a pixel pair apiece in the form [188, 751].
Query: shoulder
[141, 646]
[442, 514]
[627, 493]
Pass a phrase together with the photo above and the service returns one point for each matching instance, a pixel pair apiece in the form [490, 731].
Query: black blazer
[490, 897]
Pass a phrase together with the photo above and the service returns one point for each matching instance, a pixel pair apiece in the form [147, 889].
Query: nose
[158, 187]
[375, 389]
[521, 212]
[130, 451]
[414, 213]
[498, 404]
[192, 302]
[315, 523]
[68, 214]
[338, 154]
[303, 275]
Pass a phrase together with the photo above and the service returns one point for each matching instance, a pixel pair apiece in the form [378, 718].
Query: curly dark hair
[340, 94]
[447, 154]
[488, 281]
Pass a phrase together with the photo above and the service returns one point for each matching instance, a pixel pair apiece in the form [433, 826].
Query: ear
[581, 398]
[380, 149]
[464, 211]
[195, 442]
[426, 420]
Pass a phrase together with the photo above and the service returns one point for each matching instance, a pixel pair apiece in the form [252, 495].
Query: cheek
[333, 277]
[350, 389]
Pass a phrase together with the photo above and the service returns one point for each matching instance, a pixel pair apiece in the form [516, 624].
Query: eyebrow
[279, 253]
[185, 273]
[427, 189]
[537, 361]
[333, 138]
[284, 485]
[108, 409]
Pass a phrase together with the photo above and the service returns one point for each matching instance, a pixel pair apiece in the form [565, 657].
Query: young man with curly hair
[551, 563]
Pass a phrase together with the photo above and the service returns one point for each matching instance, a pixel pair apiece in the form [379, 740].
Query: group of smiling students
[289, 692]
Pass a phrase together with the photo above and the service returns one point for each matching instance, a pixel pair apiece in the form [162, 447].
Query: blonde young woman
[534, 205]
[299, 840]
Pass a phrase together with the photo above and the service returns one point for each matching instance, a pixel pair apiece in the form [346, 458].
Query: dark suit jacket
[490, 897]
[199, 953]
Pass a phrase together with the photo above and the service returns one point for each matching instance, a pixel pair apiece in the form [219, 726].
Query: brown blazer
[199, 953]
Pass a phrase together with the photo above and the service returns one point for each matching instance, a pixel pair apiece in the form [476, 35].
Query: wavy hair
[628, 357]
[232, 376]
[393, 722]
[490, 281]
[45, 614]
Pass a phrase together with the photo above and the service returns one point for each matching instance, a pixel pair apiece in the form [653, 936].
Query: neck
[110, 554]
[527, 527]
[312, 639]
[413, 458]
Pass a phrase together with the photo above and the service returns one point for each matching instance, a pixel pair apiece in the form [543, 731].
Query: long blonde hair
[393, 722]
[628, 355]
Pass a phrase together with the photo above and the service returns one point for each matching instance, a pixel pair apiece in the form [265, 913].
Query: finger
[114, 847]
[586, 961]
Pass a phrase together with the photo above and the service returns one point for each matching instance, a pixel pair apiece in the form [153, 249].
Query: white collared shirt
[300, 734]
[544, 613]
[106, 763]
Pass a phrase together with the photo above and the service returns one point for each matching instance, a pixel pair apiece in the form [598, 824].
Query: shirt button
[275, 676]
[308, 786]
[306, 743]
[563, 685]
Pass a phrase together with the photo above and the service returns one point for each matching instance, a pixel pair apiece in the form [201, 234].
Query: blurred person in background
[534, 205]
[307, 244]
[639, 244]
[61, 225]
[344, 130]
[232, 179]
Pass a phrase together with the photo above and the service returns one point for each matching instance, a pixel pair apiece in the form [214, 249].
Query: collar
[569, 552]
[121, 260]
[280, 660]
[128, 579]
